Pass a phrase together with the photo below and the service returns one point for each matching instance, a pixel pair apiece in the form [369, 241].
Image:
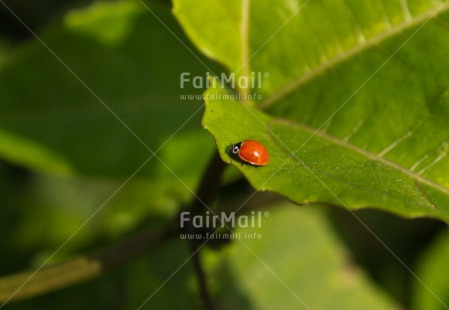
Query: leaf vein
[358, 49]
[415, 176]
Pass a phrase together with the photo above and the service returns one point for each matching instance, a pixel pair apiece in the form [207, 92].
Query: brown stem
[206, 193]
[31, 283]
[195, 247]
[209, 186]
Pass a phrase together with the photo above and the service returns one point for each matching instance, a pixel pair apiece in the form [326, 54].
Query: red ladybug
[251, 152]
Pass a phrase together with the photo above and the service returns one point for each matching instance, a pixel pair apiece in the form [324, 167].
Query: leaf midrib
[363, 152]
[358, 49]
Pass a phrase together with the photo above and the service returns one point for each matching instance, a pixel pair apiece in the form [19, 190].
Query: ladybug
[251, 152]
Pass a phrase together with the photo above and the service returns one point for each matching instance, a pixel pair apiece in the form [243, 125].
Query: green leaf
[319, 168]
[357, 103]
[51, 122]
[228, 48]
[293, 262]
[431, 288]
[68, 203]
[128, 286]
[167, 272]
[109, 23]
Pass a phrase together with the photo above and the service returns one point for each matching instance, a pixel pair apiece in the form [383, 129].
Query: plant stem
[31, 283]
[210, 184]
[195, 247]
[206, 193]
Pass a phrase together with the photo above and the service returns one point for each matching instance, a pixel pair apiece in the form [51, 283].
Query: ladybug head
[235, 148]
